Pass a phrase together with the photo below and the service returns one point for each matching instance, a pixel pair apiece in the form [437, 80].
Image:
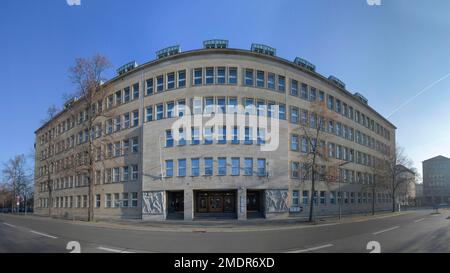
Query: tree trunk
[313, 181]
[373, 200]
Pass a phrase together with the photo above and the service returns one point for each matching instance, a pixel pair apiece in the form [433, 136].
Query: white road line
[385, 230]
[419, 220]
[310, 249]
[43, 234]
[113, 250]
[9, 225]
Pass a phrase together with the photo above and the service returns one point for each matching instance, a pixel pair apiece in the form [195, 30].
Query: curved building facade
[164, 157]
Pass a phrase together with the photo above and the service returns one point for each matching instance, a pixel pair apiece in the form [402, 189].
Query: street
[413, 231]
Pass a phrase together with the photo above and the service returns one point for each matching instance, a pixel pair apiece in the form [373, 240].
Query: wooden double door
[216, 202]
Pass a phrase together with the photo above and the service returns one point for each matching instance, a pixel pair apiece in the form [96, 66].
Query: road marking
[43, 234]
[310, 249]
[419, 220]
[385, 230]
[9, 225]
[113, 250]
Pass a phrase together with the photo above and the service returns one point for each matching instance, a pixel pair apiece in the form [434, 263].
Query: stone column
[242, 204]
[188, 205]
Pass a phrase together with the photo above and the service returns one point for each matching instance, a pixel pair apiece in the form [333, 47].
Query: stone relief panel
[153, 202]
[276, 201]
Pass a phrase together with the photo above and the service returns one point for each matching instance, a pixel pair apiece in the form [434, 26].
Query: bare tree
[313, 132]
[87, 75]
[17, 178]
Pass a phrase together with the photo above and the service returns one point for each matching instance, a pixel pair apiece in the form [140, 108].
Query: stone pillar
[188, 205]
[242, 204]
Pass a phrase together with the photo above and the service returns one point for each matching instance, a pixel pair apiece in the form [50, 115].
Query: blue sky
[388, 53]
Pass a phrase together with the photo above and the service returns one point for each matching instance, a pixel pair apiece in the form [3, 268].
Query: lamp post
[339, 192]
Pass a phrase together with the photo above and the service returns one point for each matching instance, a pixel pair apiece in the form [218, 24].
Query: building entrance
[217, 202]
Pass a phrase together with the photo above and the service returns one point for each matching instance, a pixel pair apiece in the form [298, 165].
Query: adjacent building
[406, 191]
[153, 164]
[436, 180]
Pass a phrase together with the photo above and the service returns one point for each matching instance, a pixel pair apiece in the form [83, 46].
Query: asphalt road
[415, 231]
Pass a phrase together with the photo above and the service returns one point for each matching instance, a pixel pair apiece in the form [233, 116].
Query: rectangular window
[182, 78]
[294, 115]
[260, 79]
[271, 81]
[135, 145]
[261, 136]
[248, 140]
[134, 199]
[232, 75]
[181, 137]
[125, 173]
[323, 198]
[294, 88]
[170, 110]
[135, 172]
[170, 81]
[126, 95]
[261, 167]
[116, 200]
[295, 198]
[221, 75]
[118, 97]
[149, 83]
[235, 135]
[195, 136]
[312, 94]
[209, 105]
[282, 112]
[221, 106]
[295, 169]
[281, 83]
[209, 131]
[136, 91]
[222, 166]
[209, 75]
[195, 167]
[222, 135]
[124, 200]
[182, 167]
[108, 201]
[235, 166]
[248, 166]
[294, 143]
[159, 111]
[304, 91]
[248, 77]
[181, 108]
[160, 83]
[135, 118]
[305, 195]
[97, 200]
[330, 102]
[169, 138]
[208, 166]
[169, 168]
[232, 105]
[198, 76]
[149, 113]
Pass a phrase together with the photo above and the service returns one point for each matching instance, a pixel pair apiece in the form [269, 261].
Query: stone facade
[436, 181]
[159, 180]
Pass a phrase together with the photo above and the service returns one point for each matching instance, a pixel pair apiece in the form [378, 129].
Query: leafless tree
[16, 177]
[87, 75]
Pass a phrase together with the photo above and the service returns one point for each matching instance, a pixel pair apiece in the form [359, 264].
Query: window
[260, 79]
[294, 88]
[304, 145]
[248, 77]
[209, 76]
[294, 143]
[198, 76]
[116, 200]
[248, 136]
[330, 102]
[159, 111]
[135, 172]
[305, 198]
[149, 115]
[195, 167]
[169, 168]
[195, 135]
[181, 108]
[181, 137]
[281, 83]
[338, 106]
[208, 166]
[182, 78]
[235, 135]
[304, 91]
[126, 95]
[261, 136]
[261, 167]
[295, 197]
[222, 166]
[221, 75]
[271, 81]
[97, 201]
[248, 166]
[149, 87]
[312, 94]
[134, 199]
[136, 91]
[117, 150]
[209, 135]
[221, 104]
[118, 97]
[108, 200]
[126, 120]
[126, 146]
[170, 110]
[282, 112]
[170, 80]
[294, 115]
[323, 198]
[135, 118]
[209, 105]
[232, 75]
[160, 83]
[321, 96]
[182, 167]
[332, 197]
[135, 145]
[222, 138]
[117, 124]
[232, 105]
[235, 166]
[249, 106]
[125, 173]
[169, 138]
[124, 200]
[295, 169]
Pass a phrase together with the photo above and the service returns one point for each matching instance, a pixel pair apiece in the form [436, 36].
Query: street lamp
[339, 192]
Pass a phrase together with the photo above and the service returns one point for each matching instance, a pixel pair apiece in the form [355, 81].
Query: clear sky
[389, 53]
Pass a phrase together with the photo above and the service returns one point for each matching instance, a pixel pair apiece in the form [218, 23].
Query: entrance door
[202, 202]
[253, 201]
[216, 203]
[176, 201]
